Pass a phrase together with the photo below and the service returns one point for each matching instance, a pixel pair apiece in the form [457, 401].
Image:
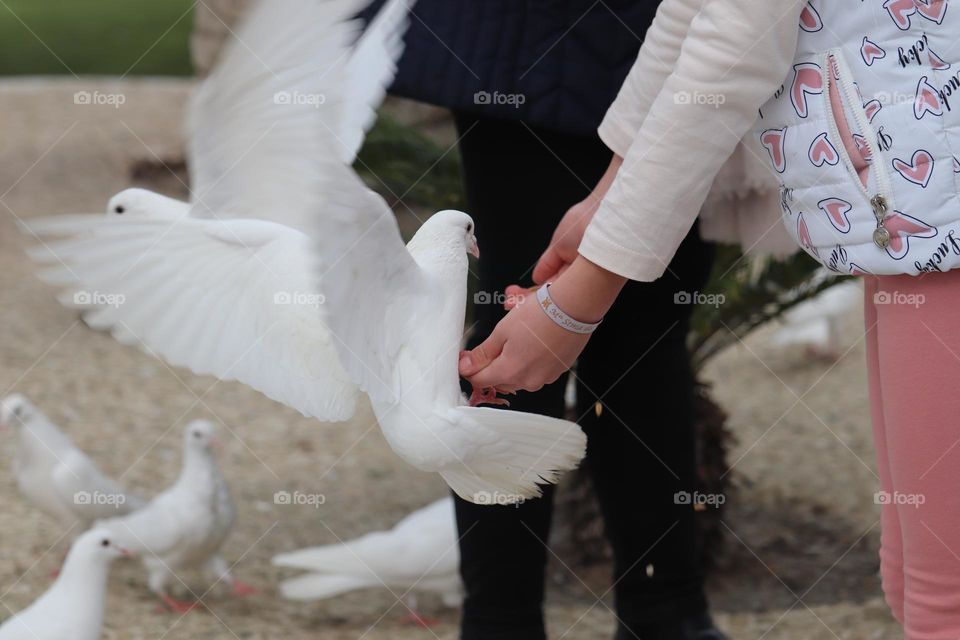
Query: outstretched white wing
[295, 85]
[369, 72]
[374, 288]
[234, 299]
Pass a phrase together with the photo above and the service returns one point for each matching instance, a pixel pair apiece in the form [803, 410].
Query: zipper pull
[881, 237]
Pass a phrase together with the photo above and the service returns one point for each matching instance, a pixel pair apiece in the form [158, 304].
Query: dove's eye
[470, 227]
[119, 208]
[104, 543]
[197, 435]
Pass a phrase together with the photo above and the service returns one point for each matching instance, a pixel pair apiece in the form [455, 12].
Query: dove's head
[140, 203]
[99, 544]
[200, 435]
[15, 410]
[454, 227]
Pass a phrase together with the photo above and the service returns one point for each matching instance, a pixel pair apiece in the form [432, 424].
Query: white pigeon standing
[185, 526]
[56, 476]
[73, 607]
[420, 553]
[231, 289]
[817, 323]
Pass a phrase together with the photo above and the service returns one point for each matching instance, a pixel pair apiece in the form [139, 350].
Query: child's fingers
[477, 359]
[517, 294]
[548, 266]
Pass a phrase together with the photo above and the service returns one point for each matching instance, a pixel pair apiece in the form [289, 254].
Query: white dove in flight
[230, 286]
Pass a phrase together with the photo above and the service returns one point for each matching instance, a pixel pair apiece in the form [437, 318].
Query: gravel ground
[801, 560]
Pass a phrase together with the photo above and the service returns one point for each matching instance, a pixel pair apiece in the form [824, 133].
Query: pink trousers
[913, 358]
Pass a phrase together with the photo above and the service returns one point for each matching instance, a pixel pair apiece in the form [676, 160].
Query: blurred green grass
[95, 37]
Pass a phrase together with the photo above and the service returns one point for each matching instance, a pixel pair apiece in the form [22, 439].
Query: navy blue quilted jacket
[551, 63]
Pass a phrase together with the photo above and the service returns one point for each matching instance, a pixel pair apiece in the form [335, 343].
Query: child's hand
[527, 349]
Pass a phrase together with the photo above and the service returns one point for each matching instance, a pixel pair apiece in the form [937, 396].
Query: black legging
[519, 182]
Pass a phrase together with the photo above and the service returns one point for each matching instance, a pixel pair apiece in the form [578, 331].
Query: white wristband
[556, 314]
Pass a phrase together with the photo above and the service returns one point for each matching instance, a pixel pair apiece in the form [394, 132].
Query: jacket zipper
[881, 202]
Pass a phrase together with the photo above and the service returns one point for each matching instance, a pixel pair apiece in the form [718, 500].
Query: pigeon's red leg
[242, 589]
[418, 619]
[487, 396]
[179, 606]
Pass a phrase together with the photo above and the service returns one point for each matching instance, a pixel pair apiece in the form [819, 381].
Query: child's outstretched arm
[737, 53]
[734, 56]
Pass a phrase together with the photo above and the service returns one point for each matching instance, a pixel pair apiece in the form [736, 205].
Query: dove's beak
[124, 552]
[473, 248]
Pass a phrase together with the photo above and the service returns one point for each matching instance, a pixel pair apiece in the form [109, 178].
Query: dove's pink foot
[487, 396]
[418, 619]
[179, 606]
[242, 589]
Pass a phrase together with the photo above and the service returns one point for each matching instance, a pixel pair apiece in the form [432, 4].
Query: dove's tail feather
[531, 450]
[353, 557]
[317, 586]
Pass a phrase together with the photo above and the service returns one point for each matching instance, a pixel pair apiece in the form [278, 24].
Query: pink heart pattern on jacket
[871, 52]
[803, 232]
[919, 170]
[810, 20]
[903, 227]
[774, 141]
[807, 80]
[837, 210]
[935, 10]
[823, 152]
[848, 98]
[901, 11]
[936, 62]
[927, 100]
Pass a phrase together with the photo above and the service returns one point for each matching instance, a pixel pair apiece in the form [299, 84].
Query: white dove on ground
[420, 553]
[55, 476]
[73, 607]
[186, 525]
[232, 290]
[817, 323]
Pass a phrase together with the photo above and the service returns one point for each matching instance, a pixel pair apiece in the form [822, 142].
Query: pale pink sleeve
[736, 54]
[660, 51]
